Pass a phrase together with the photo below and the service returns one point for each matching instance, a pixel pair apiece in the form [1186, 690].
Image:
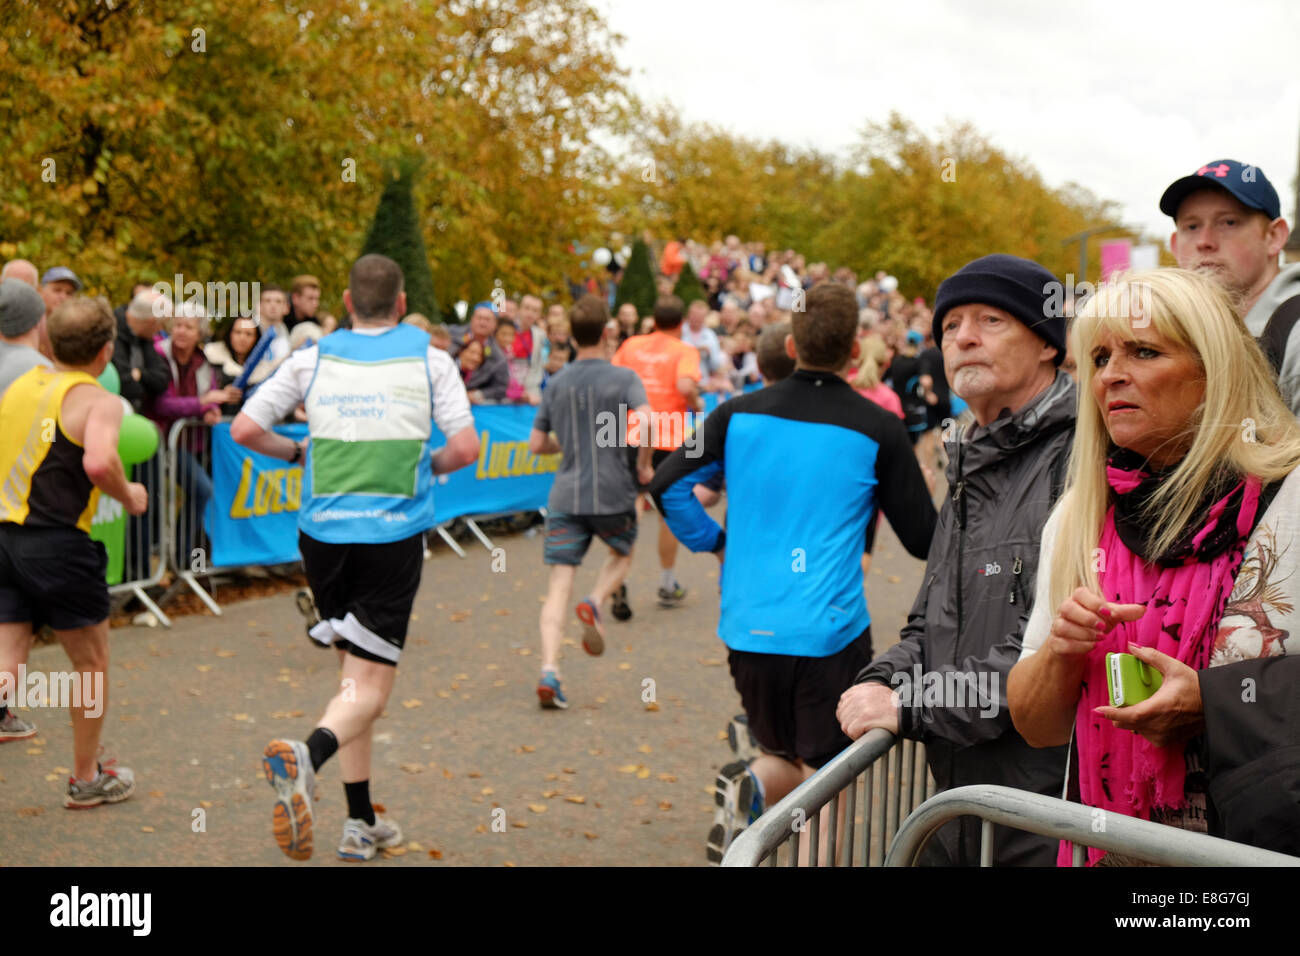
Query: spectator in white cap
[22, 320]
[57, 285]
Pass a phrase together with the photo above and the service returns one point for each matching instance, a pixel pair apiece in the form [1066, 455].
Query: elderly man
[1228, 221]
[713, 363]
[944, 682]
[57, 286]
[22, 270]
[490, 381]
[22, 323]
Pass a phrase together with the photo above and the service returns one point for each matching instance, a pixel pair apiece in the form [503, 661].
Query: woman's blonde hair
[1241, 427]
[872, 354]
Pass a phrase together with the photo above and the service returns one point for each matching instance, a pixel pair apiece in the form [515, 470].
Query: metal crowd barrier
[144, 552]
[1051, 817]
[879, 775]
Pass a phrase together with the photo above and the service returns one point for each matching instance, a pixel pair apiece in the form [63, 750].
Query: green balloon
[110, 380]
[138, 439]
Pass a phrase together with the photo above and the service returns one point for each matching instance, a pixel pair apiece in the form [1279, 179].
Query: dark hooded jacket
[964, 632]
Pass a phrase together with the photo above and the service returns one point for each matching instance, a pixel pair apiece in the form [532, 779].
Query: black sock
[321, 745]
[4, 712]
[359, 807]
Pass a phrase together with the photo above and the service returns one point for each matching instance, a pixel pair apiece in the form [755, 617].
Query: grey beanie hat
[21, 307]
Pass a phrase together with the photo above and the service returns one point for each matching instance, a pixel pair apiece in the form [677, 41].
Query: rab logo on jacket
[990, 569]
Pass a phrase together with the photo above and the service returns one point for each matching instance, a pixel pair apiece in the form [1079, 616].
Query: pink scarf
[1120, 770]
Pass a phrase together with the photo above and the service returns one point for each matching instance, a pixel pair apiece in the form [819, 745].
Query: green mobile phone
[1130, 680]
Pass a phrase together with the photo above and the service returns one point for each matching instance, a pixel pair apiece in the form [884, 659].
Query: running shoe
[307, 608]
[739, 800]
[593, 635]
[287, 765]
[618, 604]
[672, 597]
[361, 841]
[111, 785]
[14, 727]
[741, 739]
[549, 693]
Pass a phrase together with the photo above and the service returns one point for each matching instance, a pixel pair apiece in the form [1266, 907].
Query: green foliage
[638, 283]
[688, 287]
[395, 232]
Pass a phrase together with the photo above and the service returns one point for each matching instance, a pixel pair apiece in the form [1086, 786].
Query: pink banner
[1114, 257]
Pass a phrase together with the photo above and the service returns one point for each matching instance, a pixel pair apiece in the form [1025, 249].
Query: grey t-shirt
[586, 404]
[18, 360]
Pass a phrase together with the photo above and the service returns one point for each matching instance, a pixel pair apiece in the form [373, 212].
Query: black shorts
[569, 536]
[52, 576]
[790, 701]
[364, 593]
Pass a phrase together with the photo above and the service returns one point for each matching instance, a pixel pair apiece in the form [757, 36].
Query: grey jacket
[969, 619]
[1285, 285]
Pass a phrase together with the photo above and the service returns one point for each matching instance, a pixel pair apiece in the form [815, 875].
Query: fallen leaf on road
[526, 749]
[568, 770]
[156, 793]
[594, 753]
[645, 749]
[653, 706]
[639, 802]
[203, 667]
[473, 775]
[667, 778]
[589, 835]
[30, 811]
[601, 700]
[51, 776]
[487, 791]
[525, 651]
[722, 735]
[62, 770]
[709, 790]
[413, 702]
[520, 824]
[379, 808]
[625, 666]
[462, 677]
[205, 803]
[537, 807]
[226, 653]
[709, 661]
[507, 863]
[163, 712]
[498, 683]
[549, 794]
[894, 579]
[414, 847]
[444, 694]
[395, 851]
[481, 828]
[665, 805]
[643, 773]
[146, 829]
[241, 716]
[502, 612]
[574, 798]
[628, 768]
[413, 767]
[435, 854]
[447, 773]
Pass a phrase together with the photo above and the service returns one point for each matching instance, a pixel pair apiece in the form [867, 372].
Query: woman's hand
[1085, 618]
[1170, 715]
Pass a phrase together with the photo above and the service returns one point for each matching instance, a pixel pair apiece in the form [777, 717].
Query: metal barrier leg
[204, 596]
[831, 846]
[814, 834]
[478, 533]
[147, 601]
[794, 849]
[451, 542]
[986, 843]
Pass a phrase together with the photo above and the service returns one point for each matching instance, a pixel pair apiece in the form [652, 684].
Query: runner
[594, 493]
[670, 371]
[58, 451]
[371, 395]
[793, 614]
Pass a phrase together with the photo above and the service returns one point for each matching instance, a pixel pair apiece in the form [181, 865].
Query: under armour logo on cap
[1220, 170]
[1247, 184]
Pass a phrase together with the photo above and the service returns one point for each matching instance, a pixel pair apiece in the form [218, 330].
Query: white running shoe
[361, 841]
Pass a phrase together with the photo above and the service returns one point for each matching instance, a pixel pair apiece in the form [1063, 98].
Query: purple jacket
[170, 406]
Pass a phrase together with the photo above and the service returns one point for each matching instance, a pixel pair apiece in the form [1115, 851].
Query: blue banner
[252, 517]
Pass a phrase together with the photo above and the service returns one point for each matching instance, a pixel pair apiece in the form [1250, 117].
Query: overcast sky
[1120, 97]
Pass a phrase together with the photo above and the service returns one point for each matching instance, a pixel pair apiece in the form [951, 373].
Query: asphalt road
[463, 745]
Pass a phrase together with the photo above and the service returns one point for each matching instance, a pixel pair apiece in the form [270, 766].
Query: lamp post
[1082, 239]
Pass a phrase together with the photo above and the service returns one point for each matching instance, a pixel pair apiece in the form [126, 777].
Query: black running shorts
[52, 576]
[364, 593]
[790, 701]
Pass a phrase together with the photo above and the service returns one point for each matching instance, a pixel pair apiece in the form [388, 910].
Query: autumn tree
[638, 283]
[689, 288]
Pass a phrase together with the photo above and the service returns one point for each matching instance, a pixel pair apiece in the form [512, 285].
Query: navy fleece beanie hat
[1015, 285]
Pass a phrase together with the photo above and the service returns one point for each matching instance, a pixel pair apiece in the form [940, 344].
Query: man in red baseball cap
[1228, 221]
